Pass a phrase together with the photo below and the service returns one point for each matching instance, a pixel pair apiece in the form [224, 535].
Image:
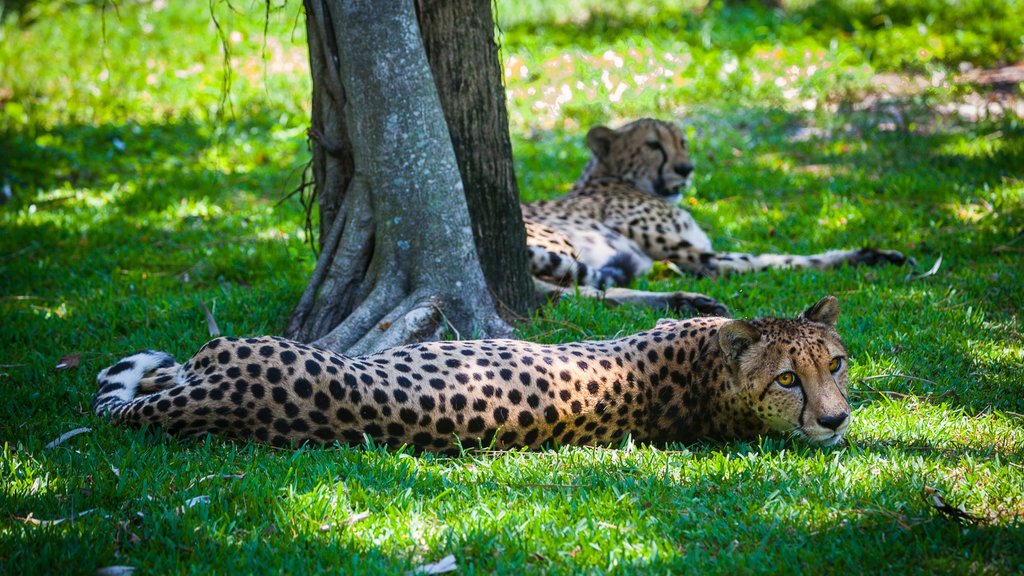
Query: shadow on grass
[115, 233]
[102, 193]
[158, 159]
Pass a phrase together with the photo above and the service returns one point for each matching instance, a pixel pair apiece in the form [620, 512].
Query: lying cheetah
[678, 382]
[623, 214]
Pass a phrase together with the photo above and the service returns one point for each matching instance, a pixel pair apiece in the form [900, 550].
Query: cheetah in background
[678, 382]
[623, 214]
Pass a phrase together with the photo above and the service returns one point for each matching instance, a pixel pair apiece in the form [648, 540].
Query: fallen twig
[904, 376]
[67, 436]
[901, 396]
[222, 477]
[115, 571]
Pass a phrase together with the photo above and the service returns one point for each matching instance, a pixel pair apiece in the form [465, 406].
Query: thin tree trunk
[458, 36]
[332, 156]
[398, 262]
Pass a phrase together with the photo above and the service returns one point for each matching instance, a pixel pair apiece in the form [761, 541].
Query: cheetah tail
[119, 383]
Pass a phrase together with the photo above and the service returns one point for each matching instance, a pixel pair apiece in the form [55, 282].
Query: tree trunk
[398, 262]
[458, 36]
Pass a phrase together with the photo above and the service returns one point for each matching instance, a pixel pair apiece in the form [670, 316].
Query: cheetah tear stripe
[680, 381]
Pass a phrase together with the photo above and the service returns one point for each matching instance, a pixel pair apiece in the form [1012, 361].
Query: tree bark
[398, 262]
[458, 36]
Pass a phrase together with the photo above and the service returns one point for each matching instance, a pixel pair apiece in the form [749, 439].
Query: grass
[138, 191]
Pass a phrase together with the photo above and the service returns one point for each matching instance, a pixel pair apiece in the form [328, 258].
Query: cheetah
[681, 381]
[622, 215]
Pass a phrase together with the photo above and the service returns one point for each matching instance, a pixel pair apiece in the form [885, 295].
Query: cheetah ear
[826, 311]
[736, 336]
[599, 140]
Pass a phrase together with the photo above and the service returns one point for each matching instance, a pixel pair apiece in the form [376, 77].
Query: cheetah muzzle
[678, 382]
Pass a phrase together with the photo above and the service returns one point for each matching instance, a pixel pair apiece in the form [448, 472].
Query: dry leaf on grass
[238, 476]
[933, 498]
[67, 436]
[211, 322]
[931, 271]
[446, 564]
[193, 502]
[115, 571]
[357, 517]
[37, 522]
[69, 361]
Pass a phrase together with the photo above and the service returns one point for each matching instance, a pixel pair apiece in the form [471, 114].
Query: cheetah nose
[683, 169]
[834, 421]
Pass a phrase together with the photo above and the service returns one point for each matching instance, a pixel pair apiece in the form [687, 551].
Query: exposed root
[302, 309]
[416, 319]
[379, 323]
[339, 270]
[363, 320]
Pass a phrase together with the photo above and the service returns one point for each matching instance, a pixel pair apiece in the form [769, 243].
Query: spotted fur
[678, 382]
[626, 206]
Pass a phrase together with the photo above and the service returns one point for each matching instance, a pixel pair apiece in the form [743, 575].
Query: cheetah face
[793, 372]
[650, 154]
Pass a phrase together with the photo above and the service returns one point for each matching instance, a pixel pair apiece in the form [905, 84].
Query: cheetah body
[680, 381]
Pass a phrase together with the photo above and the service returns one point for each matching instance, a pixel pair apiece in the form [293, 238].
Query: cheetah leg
[566, 270]
[554, 256]
[715, 263]
[119, 384]
[688, 303]
[563, 269]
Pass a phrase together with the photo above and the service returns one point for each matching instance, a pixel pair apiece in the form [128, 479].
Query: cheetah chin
[681, 381]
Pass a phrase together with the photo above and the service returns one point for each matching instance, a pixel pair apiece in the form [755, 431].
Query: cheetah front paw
[877, 257]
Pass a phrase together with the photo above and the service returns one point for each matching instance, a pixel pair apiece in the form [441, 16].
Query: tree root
[378, 324]
[364, 320]
[334, 289]
[416, 319]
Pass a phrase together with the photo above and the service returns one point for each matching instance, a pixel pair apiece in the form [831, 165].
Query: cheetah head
[792, 373]
[650, 154]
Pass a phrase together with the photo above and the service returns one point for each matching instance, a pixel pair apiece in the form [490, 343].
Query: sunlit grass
[139, 191]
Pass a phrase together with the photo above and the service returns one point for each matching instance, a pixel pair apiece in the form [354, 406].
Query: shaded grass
[136, 198]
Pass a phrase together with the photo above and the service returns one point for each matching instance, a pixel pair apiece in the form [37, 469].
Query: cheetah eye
[787, 379]
[655, 145]
[835, 364]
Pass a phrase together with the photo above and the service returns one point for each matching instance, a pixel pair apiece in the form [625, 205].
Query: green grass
[139, 191]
